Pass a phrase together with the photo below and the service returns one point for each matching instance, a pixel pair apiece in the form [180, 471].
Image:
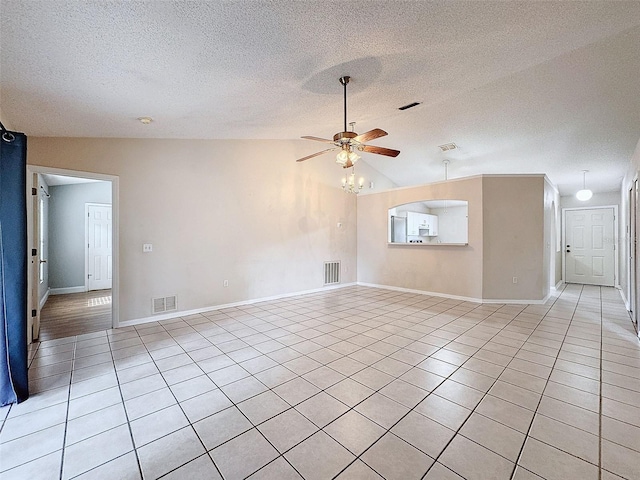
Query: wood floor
[75, 314]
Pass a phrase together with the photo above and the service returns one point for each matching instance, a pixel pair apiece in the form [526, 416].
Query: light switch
[147, 247]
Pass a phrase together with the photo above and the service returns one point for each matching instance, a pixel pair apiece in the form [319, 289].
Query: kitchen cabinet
[422, 224]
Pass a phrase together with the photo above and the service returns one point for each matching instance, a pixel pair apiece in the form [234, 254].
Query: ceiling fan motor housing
[344, 137]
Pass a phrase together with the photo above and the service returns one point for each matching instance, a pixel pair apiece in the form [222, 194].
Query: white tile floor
[356, 383]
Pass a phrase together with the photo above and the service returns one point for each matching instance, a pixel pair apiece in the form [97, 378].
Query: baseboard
[559, 284]
[624, 299]
[185, 313]
[44, 298]
[66, 290]
[457, 297]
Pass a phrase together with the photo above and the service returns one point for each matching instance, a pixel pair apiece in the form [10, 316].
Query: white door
[632, 250]
[99, 255]
[590, 246]
[33, 314]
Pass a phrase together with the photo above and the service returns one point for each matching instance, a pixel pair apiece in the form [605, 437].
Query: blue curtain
[14, 385]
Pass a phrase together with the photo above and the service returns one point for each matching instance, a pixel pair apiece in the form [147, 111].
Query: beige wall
[451, 270]
[513, 227]
[506, 239]
[243, 211]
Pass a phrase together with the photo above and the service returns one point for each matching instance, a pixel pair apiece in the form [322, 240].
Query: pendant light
[584, 194]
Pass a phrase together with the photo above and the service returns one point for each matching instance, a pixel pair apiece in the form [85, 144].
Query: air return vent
[448, 146]
[331, 273]
[164, 304]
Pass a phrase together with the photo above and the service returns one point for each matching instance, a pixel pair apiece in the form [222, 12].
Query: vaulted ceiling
[520, 87]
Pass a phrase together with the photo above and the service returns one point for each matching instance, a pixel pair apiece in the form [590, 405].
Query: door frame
[86, 240]
[115, 209]
[632, 251]
[616, 246]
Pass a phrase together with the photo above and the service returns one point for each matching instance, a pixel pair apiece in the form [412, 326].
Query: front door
[99, 255]
[590, 246]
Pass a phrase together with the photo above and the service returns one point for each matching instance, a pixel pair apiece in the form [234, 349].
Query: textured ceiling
[521, 87]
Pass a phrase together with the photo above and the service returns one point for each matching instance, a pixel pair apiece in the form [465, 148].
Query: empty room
[313, 240]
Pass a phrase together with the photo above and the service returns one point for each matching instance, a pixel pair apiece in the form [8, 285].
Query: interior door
[590, 246]
[99, 247]
[33, 323]
[635, 265]
[632, 250]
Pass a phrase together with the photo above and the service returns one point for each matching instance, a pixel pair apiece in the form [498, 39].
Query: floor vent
[164, 304]
[331, 273]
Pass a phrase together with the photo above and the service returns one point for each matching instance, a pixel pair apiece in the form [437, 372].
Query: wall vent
[164, 304]
[331, 273]
[409, 105]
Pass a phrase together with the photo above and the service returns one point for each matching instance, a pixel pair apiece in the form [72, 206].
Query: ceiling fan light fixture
[349, 141]
[343, 157]
[584, 194]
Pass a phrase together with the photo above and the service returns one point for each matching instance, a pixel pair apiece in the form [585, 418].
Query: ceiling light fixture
[145, 120]
[584, 194]
[349, 182]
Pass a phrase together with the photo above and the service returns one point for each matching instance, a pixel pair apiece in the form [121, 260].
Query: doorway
[589, 239]
[70, 272]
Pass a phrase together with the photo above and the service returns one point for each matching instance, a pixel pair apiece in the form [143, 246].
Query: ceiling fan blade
[316, 154]
[380, 150]
[370, 135]
[317, 139]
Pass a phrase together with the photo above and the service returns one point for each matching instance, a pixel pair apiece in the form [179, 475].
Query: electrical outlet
[225, 283]
[515, 279]
[147, 247]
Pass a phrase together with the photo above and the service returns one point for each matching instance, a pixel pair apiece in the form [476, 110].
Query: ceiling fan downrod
[344, 80]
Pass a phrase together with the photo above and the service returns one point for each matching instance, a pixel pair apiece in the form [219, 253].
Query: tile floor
[355, 383]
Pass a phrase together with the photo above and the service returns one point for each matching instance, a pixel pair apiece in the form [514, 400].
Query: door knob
[568, 251]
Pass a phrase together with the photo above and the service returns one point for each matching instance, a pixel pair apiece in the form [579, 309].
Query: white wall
[67, 224]
[453, 225]
[624, 222]
[598, 200]
[214, 210]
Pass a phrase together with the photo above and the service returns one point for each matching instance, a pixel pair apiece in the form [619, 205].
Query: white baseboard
[185, 313]
[45, 297]
[624, 299]
[66, 290]
[457, 297]
[559, 284]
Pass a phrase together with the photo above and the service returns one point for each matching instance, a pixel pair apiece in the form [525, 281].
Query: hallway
[75, 314]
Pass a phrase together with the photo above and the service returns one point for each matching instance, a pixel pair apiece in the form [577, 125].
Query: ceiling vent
[409, 105]
[448, 146]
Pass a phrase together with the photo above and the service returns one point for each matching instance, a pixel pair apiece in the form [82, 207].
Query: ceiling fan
[349, 142]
